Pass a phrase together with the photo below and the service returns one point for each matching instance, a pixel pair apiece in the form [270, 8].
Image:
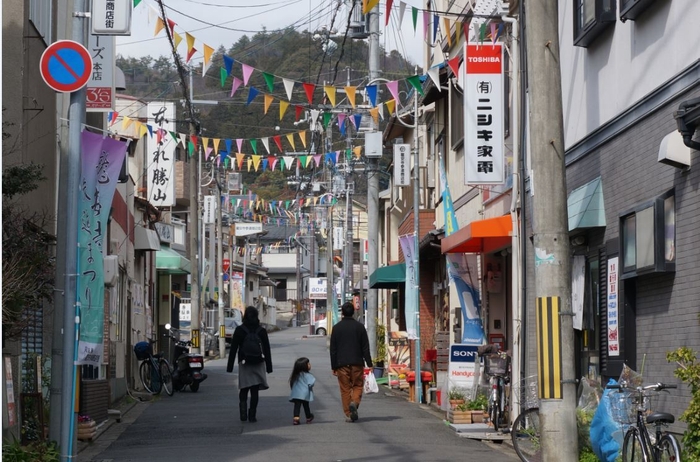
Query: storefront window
[590, 336]
[670, 229]
[629, 236]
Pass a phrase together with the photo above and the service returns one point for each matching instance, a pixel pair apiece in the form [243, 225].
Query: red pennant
[171, 23]
[298, 110]
[278, 142]
[115, 114]
[454, 65]
[190, 54]
[159, 136]
[194, 141]
[465, 27]
[309, 89]
[388, 11]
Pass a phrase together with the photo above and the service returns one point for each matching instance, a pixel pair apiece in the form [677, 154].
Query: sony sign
[461, 370]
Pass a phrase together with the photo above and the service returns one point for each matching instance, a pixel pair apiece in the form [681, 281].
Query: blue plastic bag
[605, 431]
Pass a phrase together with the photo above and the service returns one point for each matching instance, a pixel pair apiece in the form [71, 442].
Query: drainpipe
[516, 282]
[688, 131]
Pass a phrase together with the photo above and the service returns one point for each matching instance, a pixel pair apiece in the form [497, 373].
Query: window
[631, 9]
[457, 115]
[649, 237]
[591, 18]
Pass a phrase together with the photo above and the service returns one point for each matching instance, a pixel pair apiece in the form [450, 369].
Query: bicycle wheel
[633, 448]
[145, 375]
[525, 435]
[494, 413]
[166, 377]
[669, 450]
[156, 382]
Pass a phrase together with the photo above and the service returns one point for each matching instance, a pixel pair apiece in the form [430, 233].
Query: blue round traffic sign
[66, 66]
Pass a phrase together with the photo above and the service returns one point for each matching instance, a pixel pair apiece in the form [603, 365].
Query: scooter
[188, 366]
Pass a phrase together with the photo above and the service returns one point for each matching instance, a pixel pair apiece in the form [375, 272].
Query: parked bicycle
[497, 367]
[155, 370]
[525, 432]
[631, 408]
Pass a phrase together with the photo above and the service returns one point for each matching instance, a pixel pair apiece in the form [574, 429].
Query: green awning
[586, 206]
[170, 261]
[388, 277]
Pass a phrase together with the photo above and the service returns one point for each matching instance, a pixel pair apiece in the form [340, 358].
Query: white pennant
[289, 86]
[434, 74]
[288, 161]
[402, 10]
[266, 142]
[314, 118]
[183, 140]
[381, 111]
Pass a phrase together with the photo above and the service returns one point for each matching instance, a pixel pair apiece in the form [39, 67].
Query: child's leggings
[297, 407]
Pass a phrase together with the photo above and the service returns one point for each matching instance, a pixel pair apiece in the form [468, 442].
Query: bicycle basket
[526, 392]
[496, 365]
[142, 350]
[622, 407]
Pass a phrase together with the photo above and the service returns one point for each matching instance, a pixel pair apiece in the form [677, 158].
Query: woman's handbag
[371, 383]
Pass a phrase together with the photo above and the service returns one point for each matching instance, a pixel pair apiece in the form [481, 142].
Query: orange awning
[481, 236]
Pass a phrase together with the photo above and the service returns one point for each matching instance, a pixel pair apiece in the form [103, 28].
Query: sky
[223, 22]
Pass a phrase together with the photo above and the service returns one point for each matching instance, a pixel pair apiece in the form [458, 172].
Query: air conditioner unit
[111, 269]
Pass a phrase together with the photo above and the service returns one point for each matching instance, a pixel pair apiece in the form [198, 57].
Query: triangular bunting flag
[272, 161]
[172, 25]
[374, 112]
[247, 72]
[254, 145]
[326, 119]
[252, 93]
[190, 42]
[239, 143]
[278, 142]
[402, 10]
[448, 31]
[391, 105]
[283, 108]
[302, 137]
[228, 64]
[309, 89]
[183, 140]
[289, 87]
[126, 121]
[330, 92]
[414, 80]
[177, 39]
[356, 119]
[434, 74]
[208, 51]
[290, 138]
[357, 150]
[297, 112]
[454, 65]
[268, 101]
[393, 87]
[350, 92]
[266, 143]
[190, 54]
[236, 83]
[216, 145]
[229, 144]
[388, 11]
[256, 162]
[223, 76]
[207, 153]
[160, 25]
[317, 160]
[288, 161]
[369, 6]
[239, 159]
[270, 80]
[372, 94]
[414, 13]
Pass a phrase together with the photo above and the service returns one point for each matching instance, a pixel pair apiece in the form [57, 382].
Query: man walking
[349, 353]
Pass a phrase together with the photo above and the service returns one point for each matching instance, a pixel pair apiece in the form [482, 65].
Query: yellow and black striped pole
[549, 348]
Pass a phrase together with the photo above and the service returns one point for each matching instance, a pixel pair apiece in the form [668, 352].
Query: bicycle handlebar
[656, 386]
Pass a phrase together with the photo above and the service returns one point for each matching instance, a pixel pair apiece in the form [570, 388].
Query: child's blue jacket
[303, 387]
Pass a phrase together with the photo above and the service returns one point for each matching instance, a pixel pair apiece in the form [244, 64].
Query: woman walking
[251, 343]
[302, 384]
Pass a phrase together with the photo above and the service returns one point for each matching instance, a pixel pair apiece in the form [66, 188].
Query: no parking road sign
[66, 66]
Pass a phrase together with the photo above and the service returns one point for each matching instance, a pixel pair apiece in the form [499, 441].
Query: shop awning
[586, 206]
[169, 261]
[388, 277]
[481, 236]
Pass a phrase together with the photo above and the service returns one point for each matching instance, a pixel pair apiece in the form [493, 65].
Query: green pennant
[286, 204]
[254, 144]
[270, 79]
[326, 119]
[282, 164]
[190, 148]
[414, 12]
[415, 81]
[348, 154]
[482, 33]
[136, 2]
[226, 162]
[303, 161]
[224, 74]
[174, 135]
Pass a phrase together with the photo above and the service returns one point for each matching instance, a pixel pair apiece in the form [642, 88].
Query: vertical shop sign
[111, 17]
[10, 390]
[102, 160]
[100, 88]
[209, 210]
[613, 309]
[161, 154]
[483, 114]
[402, 167]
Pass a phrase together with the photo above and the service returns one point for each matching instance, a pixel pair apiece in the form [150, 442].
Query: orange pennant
[190, 42]
[160, 25]
[208, 51]
[302, 137]
[448, 32]
[350, 91]
[268, 101]
[290, 138]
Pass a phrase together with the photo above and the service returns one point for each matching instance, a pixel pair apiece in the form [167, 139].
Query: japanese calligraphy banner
[402, 164]
[463, 271]
[409, 248]
[613, 309]
[100, 87]
[102, 160]
[483, 114]
[161, 154]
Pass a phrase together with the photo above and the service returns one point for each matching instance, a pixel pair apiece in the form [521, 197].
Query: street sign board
[248, 229]
[317, 288]
[111, 17]
[100, 87]
[65, 66]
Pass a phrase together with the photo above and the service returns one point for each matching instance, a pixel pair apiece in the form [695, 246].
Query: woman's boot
[243, 407]
[251, 415]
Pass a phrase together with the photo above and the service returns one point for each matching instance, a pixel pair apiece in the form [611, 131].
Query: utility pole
[220, 264]
[64, 352]
[550, 233]
[416, 247]
[373, 193]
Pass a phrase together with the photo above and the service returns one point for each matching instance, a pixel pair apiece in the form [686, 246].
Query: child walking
[302, 384]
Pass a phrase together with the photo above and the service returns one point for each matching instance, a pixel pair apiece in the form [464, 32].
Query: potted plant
[381, 350]
[478, 406]
[455, 397]
[460, 414]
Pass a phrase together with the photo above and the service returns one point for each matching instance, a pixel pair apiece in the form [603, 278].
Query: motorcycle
[188, 366]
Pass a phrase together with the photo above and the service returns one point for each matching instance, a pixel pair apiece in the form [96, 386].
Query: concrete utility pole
[220, 264]
[373, 193]
[551, 239]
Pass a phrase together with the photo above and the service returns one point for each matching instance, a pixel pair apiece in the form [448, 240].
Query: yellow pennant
[447, 31]
[315, 199]
[144, 130]
[367, 5]
[190, 42]
[458, 30]
[126, 121]
[208, 51]
[249, 163]
[283, 108]
[308, 161]
[256, 162]
[160, 25]
[357, 150]
[374, 112]
[350, 91]
[240, 158]
[205, 143]
[390, 105]
[177, 38]
[330, 92]
[302, 137]
[216, 145]
[268, 100]
[290, 138]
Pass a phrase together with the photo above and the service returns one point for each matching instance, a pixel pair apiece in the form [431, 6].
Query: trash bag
[606, 433]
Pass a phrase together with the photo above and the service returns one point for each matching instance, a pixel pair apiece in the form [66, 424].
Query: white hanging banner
[402, 165]
[209, 210]
[578, 286]
[613, 309]
[483, 114]
[161, 154]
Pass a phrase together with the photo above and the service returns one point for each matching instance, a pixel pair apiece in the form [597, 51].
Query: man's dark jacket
[349, 344]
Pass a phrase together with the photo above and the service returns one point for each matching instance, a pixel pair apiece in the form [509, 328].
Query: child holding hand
[302, 383]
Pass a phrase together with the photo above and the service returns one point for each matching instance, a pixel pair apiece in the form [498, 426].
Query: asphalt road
[204, 426]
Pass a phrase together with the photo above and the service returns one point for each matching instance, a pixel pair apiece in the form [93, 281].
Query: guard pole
[550, 233]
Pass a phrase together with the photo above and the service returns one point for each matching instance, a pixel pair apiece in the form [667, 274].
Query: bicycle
[497, 367]
[525, 432]
[631, 410]
[155, 371]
